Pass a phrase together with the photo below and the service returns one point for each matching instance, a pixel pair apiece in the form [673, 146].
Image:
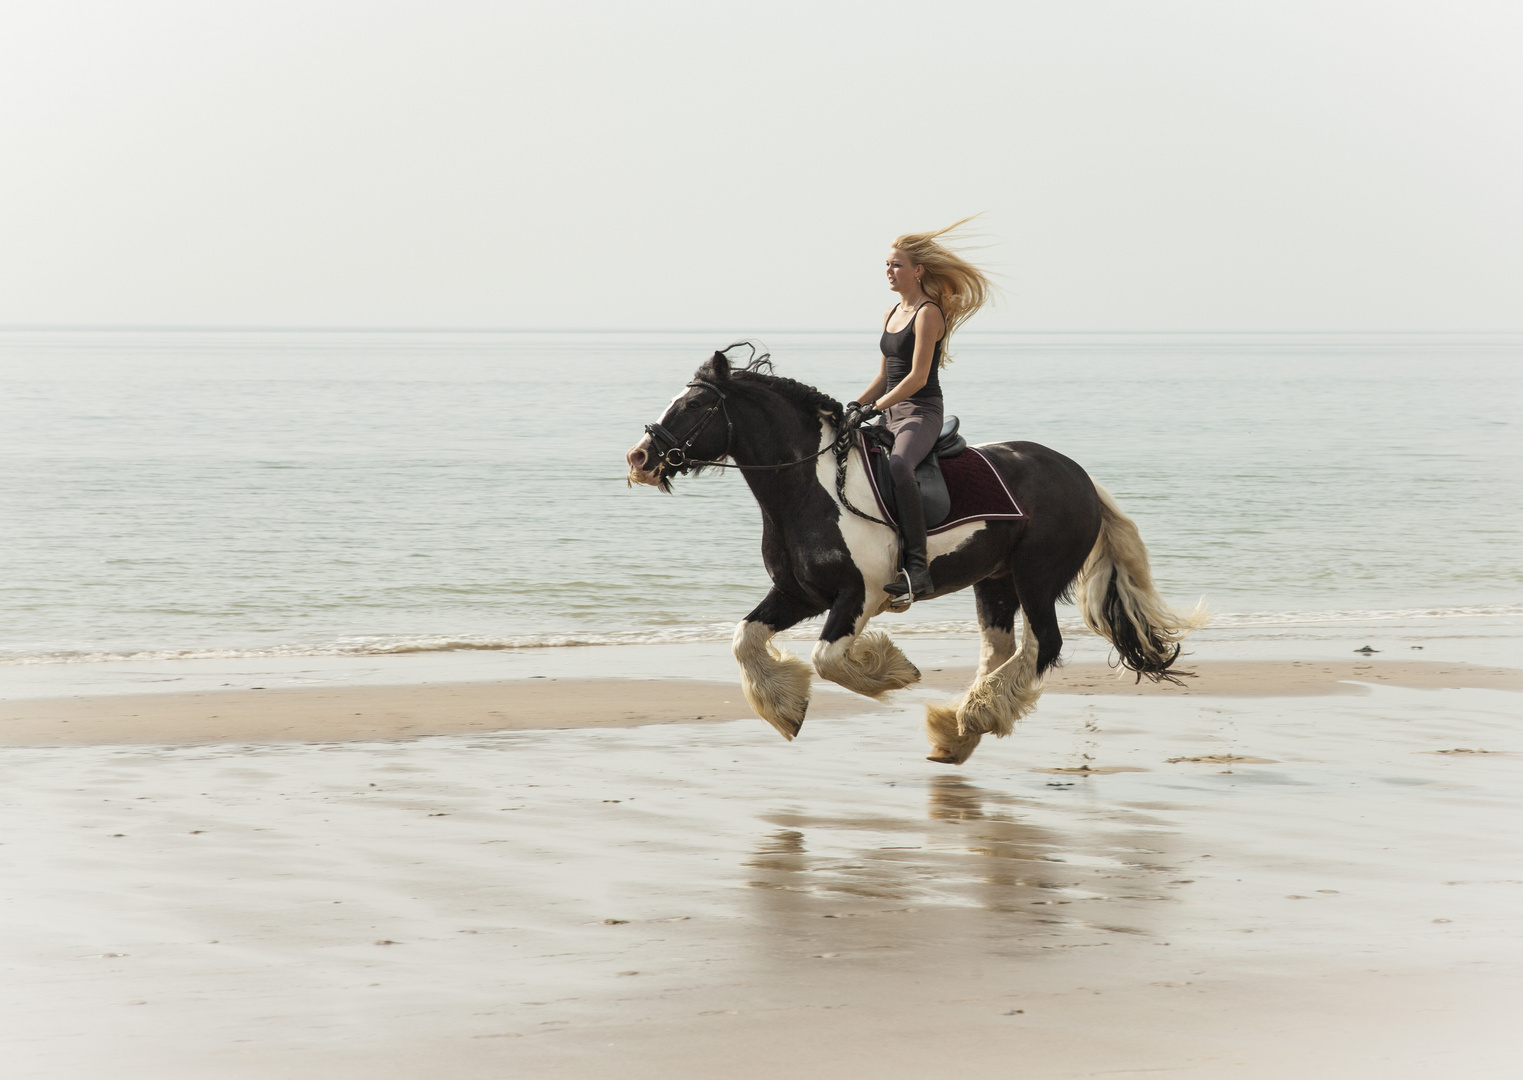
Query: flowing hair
[958, 287]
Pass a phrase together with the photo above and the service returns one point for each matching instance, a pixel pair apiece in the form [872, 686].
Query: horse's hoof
[948, 745]
[788, 729]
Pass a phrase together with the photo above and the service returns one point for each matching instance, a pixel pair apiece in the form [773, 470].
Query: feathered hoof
[992, 706]
[870, 664]
[975, 718]
[776, 685]
[949, 745]
[954, 755]
[787, 728]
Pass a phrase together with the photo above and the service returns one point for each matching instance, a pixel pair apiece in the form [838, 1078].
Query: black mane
[759, 373]
[801, 394]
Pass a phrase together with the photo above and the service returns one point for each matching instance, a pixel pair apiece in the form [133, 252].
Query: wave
[384, 646]
[1233, 620]
[709, 633]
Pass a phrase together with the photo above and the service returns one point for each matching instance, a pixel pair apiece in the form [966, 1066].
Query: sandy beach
[1287, 867]
[327, 714]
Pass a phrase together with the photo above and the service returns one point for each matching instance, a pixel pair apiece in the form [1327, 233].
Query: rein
[673, 454]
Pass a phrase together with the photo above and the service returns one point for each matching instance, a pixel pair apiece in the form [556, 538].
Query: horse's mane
[758, 371]
[801, 394]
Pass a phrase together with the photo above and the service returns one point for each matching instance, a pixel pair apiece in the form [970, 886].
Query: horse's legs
[868, 663]
[997, 605]
[1042, 620]
[776, 683]
[997, 700]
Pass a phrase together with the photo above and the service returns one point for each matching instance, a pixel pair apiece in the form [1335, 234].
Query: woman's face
[903, 275]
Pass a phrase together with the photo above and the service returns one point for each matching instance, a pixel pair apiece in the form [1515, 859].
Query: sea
[183, 494]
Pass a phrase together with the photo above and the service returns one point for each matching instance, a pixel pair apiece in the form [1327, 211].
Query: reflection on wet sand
[975, 849]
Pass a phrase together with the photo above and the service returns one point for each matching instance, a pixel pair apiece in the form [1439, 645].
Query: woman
[938, 290]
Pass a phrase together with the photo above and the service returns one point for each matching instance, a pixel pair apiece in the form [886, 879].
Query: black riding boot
[912, 528]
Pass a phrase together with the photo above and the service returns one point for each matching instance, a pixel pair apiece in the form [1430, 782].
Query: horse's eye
[690, 403]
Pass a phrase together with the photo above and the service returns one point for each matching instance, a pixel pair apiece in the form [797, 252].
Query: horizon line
[213, 328]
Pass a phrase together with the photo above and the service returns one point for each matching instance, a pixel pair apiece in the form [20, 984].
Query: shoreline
[363, 713]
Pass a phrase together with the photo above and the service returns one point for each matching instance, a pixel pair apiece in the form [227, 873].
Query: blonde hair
[958, 287]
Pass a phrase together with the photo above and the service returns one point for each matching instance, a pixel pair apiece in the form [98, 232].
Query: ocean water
[267, 493]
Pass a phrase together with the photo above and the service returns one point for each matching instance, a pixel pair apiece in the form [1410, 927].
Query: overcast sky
[1213, 165]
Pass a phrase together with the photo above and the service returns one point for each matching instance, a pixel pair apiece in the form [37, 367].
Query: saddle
[934, 497]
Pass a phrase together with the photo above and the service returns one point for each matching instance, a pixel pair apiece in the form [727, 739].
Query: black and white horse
[823, 558]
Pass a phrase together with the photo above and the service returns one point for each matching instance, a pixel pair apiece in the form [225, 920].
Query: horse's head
[694, 428]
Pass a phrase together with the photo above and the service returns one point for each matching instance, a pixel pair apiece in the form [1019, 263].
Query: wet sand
[341, 714]
[1273, 872]
[346, 713]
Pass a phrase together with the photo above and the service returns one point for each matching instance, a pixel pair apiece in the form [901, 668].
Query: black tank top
[899, 350]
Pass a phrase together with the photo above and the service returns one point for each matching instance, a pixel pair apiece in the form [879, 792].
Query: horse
[826, 555]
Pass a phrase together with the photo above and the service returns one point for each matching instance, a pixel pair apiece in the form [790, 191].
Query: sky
[1187, 166]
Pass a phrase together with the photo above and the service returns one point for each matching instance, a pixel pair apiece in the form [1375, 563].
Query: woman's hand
[858, 414]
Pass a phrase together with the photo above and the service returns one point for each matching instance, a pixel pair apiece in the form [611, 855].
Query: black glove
[858, 414]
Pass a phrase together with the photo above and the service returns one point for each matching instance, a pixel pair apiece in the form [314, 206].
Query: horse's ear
[717, 367]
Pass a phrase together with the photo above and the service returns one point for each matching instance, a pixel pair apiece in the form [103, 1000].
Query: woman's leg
[916, 425]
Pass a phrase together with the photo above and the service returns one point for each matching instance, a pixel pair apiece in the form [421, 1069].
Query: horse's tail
[1118, 601]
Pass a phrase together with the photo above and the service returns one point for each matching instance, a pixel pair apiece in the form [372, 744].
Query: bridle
[672, 453]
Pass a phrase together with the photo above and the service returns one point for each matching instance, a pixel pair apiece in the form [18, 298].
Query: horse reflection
[970, 849]
[951, 798]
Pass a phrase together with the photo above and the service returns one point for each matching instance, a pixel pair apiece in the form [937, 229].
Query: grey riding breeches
[916, 425]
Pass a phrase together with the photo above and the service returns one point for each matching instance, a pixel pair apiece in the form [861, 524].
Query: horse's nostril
[636, 458]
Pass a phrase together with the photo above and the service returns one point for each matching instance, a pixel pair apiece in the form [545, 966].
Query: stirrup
[900, 601]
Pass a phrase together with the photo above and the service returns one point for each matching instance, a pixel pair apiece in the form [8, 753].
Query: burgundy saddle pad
[977, 490]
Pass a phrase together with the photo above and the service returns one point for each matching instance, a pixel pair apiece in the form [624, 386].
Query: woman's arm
[878, 384]
[929, 326]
